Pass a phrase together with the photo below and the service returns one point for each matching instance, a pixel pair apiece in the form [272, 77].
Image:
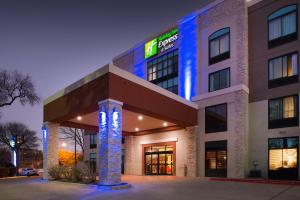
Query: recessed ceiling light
[79, 118]
[136, 129]
[140, 117]
[165, 124]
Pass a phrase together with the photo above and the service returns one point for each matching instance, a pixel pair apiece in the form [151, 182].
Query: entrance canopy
[77, 105]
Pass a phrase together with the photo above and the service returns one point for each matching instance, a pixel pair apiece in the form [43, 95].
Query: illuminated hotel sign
[162, 43]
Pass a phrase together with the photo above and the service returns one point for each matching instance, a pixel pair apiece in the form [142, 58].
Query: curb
[259, 181]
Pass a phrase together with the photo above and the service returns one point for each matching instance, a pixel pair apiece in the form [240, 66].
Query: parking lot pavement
[144, 188]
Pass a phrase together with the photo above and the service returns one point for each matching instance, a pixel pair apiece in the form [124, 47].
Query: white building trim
[231, 89]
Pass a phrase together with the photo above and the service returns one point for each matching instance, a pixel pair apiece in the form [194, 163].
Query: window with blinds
[283, 112]
[283, 25]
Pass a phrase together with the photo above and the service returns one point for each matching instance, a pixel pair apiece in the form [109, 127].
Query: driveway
[147, 188]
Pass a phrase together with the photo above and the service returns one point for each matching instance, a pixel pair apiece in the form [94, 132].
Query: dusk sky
[58, 42]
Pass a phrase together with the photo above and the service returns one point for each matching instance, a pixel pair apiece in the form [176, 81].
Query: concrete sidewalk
[147, 188]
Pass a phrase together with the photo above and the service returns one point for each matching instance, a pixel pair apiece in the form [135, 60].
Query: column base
[119, 186]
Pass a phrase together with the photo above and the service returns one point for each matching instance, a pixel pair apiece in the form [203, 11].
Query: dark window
[283, 158]
[216, 159]
[93, 162]
[219, 45]
[283, 70]
[163, 71]
[283, 112]
[93, 141]
[283, 26]
[219, 80]
[216, 118]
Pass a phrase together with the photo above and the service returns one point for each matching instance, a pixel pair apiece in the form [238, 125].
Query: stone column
[192, 161]
[50, 147]
[110, 142]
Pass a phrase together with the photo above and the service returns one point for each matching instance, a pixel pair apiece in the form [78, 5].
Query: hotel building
[214, 95]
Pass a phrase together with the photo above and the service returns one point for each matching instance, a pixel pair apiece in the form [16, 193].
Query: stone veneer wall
[185, 150]
[191, 151]
[240, 136]
[233, 14]
[236, 134]
[50, 147]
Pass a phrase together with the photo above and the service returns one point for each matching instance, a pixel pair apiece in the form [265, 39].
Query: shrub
[87, 174]
[80, 173]
[55, 172]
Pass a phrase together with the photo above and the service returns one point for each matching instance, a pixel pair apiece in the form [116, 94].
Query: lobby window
[283, 158]
[283, 26]
[163, 71]
[93, 162]
[219, 80]
[216, 118]
[93, 141]
[283, 70]
[283, 112]
[219, 45]
[216, 159]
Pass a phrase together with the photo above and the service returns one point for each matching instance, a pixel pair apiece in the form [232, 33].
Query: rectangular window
[163, 71]
[216, 118]
[216, 159]
[283, 112]
[219, 45]
[283, 70]
[93, 158]
[219, 80]
[93, 141]
[283, 158]
[283, 25]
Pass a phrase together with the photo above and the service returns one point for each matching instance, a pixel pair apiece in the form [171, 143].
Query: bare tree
[16, 86]
[70, 135]
[17, 136]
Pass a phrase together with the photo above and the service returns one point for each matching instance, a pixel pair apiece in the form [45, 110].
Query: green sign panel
[162, 43]
[151, 48]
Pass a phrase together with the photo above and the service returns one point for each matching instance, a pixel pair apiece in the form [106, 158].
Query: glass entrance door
[159, 160]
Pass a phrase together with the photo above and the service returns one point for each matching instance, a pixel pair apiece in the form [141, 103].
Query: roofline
[197, 13]
[124, 74]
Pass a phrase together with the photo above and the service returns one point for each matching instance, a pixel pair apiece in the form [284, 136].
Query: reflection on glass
[154, 169]
[148, 159]
[154, 158]
[211, 159]
[169, 159]
[221, 159]
[162, 159]
[162, 169]
[169, 169]
[289, 159]
[282, 158]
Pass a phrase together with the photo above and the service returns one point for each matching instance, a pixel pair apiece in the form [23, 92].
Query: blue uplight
[139, 61]
[44, 131]
[102, 120]
[188, 41]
